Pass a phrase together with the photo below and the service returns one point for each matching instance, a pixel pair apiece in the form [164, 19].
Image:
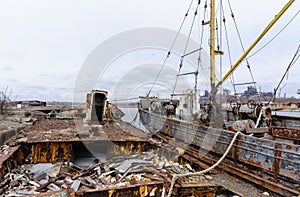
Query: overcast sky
[43, 44]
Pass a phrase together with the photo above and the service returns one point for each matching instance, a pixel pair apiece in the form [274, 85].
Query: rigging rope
[128, 99]
[169, 52]
[135, 118]
[203, 21]
[293, 61]
[201, 41]
[185, 48]
[176, 176]
[240, 39]
[274, 36]
[228, 50]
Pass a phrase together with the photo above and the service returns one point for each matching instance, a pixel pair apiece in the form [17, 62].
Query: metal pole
[235, 65]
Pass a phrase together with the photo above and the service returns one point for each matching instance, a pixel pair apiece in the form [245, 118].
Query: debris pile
[4, 150]
[117, 172]
[45, 130]
[51, 124]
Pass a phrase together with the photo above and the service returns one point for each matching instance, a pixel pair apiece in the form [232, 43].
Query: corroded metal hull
[285, 128]
[274, 157]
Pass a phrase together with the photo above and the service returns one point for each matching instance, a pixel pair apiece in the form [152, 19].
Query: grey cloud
[6, 68]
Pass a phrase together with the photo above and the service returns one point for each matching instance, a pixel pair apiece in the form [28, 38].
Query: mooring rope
[176, 176]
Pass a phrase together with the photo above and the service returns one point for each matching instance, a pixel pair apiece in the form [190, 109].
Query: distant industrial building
[27, 104]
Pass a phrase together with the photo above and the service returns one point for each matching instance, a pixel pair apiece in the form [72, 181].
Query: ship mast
[213, 53]
[216, 118]
[212, 46]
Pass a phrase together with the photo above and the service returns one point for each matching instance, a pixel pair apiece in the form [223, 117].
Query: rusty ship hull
[271, 156]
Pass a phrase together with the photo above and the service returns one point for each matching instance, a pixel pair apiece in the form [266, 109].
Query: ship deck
[39, 143]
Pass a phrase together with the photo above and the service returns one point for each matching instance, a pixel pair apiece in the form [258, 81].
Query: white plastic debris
[53, 187]
[152, 193]
[68, 180]
[266, 194]
[75, 185]
[98, 170]
[34, 183]
[189, 167]
[208, 177]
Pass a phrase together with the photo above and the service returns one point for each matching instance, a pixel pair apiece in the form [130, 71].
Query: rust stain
[288, 133]
[143, 191]
[136, 193]
[111, 192]
[276, 163]
[45, 153]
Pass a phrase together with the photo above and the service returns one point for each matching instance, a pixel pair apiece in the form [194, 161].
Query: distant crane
[280, 90]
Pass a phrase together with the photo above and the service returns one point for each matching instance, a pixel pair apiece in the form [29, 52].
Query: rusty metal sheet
[62, 193]
[156, 122]
[140, 190]
[44, 153]
[258, 152]
[250, 176]
[233, 184]
[285, 121]
[279, 158]
[126, 147]
[264, 154]
[64, 131]
[287, 133]
[208, 191]
[7, 160]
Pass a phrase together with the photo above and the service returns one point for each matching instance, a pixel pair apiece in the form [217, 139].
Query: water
[287, 113]
[130, 115]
